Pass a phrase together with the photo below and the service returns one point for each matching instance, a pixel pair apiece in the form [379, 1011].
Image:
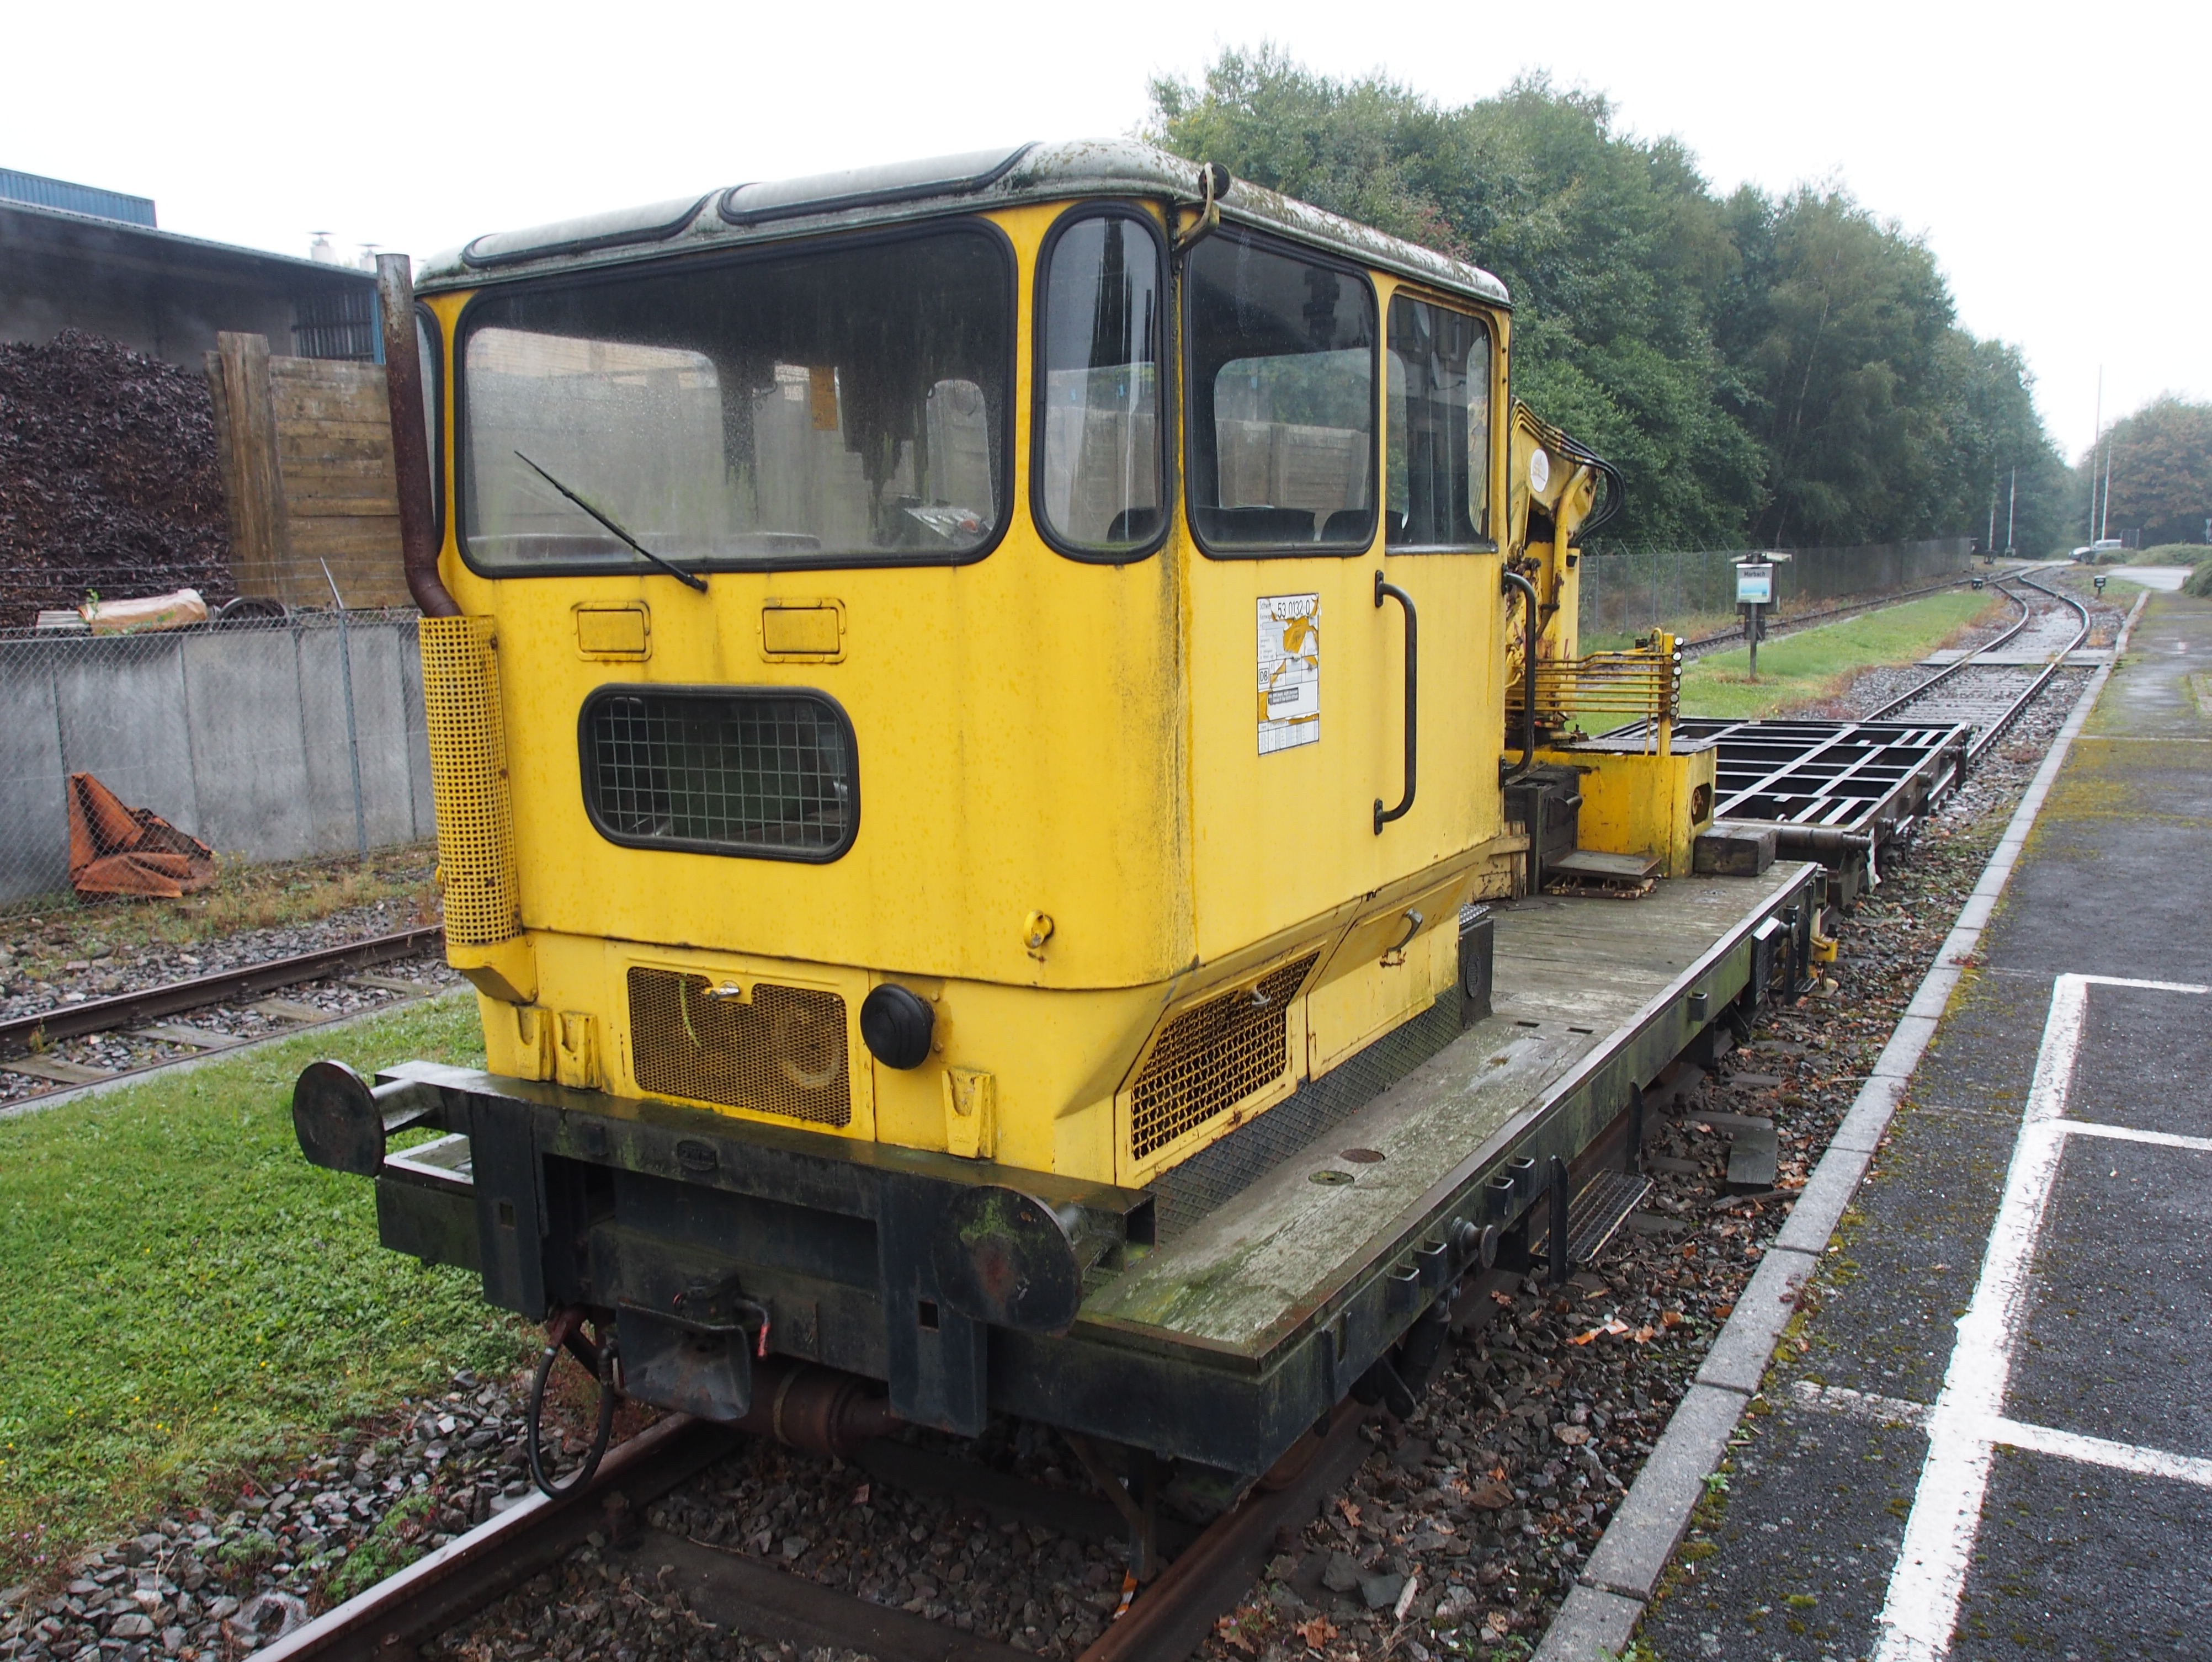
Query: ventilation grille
[781, 1053]
[738, 772]
[468, 780]
[1213, 1056]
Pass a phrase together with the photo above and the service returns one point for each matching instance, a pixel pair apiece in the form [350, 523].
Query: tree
[2161, 473]
[1612, 248]
[1788, 369]
[1882, 420]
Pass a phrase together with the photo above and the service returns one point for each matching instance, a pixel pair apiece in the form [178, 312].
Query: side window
[1281, 427]
[1437, 483]
[1100, 458]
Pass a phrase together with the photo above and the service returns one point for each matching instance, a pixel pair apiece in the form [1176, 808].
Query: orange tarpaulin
[119, 850]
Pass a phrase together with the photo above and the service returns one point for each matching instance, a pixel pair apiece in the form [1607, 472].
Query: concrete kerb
[1590, 1622]
[1645, 1532]
[228, 1053]
[1738, 1360]
[1650, 1522]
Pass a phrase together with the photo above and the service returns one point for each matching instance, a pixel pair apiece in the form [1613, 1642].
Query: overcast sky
[2054, 158]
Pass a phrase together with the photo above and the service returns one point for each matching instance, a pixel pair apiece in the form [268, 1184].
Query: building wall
[156, 292]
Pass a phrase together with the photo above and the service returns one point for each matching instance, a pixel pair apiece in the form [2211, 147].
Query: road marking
[1876, 1409]
[1861, 1404]
[2130, 1134]
[1967, 1421]
[2101, 1451]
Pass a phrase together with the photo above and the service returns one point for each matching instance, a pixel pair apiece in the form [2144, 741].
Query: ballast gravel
[54, 965]
[220, 1581]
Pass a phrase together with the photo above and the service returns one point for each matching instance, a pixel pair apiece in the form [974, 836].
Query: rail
[1170, 1617]
[1725, 640]
[1951, 671]
[1987, 732]
[25, 1032]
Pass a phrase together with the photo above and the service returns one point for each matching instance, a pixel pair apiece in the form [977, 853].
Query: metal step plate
[1593, 1215]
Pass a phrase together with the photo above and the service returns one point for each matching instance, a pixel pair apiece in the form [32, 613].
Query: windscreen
[1282, 401]
[837, 404]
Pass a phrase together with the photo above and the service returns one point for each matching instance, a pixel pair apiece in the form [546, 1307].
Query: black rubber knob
[895, 1024]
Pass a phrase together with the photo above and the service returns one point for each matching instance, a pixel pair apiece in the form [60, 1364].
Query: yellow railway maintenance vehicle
[973, 706]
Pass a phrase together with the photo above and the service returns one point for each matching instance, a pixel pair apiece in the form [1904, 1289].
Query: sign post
[1754, 592]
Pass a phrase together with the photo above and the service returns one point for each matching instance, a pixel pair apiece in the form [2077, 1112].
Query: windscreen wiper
[676, 572]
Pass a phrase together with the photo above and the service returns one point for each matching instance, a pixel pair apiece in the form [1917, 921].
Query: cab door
[1312, 459]
[1438, 573]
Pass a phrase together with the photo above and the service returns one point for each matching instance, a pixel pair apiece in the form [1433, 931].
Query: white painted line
[2130, 1134]
[2013, 1434]
[1860, 1405]
[2099, 1451]
[2147, 987]
[1921, 1608]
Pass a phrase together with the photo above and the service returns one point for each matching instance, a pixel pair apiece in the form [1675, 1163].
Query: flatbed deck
[1592, 993]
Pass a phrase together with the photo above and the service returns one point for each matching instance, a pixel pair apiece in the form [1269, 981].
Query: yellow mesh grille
[783, 1053]
[1213, 1056]
[468, 780]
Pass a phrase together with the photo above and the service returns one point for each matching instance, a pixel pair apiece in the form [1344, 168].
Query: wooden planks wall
[307, 465]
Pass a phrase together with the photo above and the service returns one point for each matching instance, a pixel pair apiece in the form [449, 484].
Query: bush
[2170, 554]
[2200, 582]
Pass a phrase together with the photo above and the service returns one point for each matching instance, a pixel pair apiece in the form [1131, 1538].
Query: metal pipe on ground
[1815, 840]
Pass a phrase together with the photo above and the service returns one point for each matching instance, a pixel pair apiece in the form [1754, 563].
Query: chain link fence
[1692, 592]
[267, 739]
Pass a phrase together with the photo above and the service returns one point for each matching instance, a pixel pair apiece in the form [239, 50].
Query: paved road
[1990, 1434]
[2166, 578]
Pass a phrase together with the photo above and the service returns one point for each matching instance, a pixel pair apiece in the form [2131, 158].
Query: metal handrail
[1391, 591]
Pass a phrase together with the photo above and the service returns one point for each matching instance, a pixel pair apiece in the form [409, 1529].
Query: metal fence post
[353, 732]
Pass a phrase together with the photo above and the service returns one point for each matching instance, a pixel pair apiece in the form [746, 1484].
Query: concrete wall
[236, 734]
[157, 293]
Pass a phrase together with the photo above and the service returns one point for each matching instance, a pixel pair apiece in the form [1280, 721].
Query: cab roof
[901, 192]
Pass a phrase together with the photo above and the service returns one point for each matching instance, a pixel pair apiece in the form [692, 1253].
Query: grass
[192, 1303]
[1814, 666]
[273, 896]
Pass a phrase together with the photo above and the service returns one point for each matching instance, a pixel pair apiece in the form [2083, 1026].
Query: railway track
[1170, 1616]
[144, 1039]
[1989, 688]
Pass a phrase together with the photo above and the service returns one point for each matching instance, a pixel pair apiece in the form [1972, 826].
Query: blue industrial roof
[89, 199]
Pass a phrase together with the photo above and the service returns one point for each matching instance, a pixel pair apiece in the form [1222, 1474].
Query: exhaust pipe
[410, 445]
